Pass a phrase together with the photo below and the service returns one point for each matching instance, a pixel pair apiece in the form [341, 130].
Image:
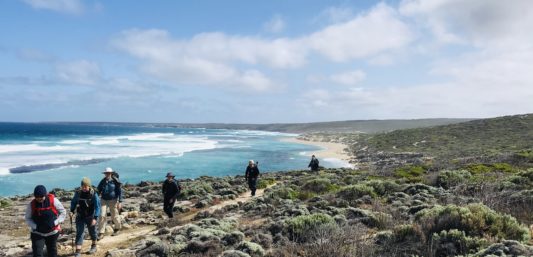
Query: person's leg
[171, 209]
[114, 214]
[51, 245]
[37, 245]
[165, 206]
[103, 216]
[94, 237]
[80, 231]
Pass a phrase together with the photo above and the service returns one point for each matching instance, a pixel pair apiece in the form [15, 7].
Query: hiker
[251, 175]
[43, 215]
[86, 203]
[171, 190]
[313, 164]
[111, 198]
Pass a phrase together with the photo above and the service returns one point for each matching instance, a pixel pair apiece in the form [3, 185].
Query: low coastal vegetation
[407, 200]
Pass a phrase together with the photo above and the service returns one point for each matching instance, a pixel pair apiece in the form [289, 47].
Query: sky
[276, 61]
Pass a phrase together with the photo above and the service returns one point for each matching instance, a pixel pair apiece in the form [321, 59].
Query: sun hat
[108, 170]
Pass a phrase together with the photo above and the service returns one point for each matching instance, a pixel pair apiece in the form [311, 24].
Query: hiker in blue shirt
[86, 203]
[110, 192]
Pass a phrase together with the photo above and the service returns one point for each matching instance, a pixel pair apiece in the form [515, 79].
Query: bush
[298, 226]
[5, 202]
[319, 186]
[411, 173]
[250, 248]
[383, 187]
[264, 183]
[455, 242]
[447, 179]
[477, 169]
[474, 219]
[354, 192]
[283, 193]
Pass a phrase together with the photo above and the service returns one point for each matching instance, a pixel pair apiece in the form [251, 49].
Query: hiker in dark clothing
[171, 190]
[251, 175]
[111, 198]
[313, 164]
[43, 215]
[86, 203]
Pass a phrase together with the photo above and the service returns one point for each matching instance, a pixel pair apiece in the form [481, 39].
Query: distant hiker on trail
[111, 198]
[43, 215]
[87, 212]
[251, 175]
[313, 164]
[171, 190]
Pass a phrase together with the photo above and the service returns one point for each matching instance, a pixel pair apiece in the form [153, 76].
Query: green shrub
[474, 219]
[284, 192]
[447, 179]
[455, 242]
[354, 192]
[503, 167]
[5, 202]
[298, 226]
[411, 173]
[478, 168]
[264, 183]
[383, 187]
[408, 233]
[319, 186]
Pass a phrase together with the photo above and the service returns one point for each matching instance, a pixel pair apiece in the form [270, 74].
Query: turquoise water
[59, 155]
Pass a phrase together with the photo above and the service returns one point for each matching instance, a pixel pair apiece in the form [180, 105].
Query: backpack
[116, 177]
[51, 206]
[40, 213]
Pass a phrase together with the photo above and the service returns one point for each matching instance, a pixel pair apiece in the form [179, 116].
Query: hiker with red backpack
[86, 203]
[43, 215]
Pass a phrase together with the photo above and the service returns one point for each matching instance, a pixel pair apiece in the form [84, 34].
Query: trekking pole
[72, 230]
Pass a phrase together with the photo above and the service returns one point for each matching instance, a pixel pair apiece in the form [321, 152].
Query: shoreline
[332, 152]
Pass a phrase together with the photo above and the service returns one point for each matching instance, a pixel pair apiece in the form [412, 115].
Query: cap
[170, 174]
[39, 191]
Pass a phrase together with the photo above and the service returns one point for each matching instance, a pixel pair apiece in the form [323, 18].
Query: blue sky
[264, 61]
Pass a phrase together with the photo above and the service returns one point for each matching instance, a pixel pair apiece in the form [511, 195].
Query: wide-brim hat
[170, 174]
[108, 170]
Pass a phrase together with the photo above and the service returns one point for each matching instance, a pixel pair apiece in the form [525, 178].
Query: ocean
[58, 155]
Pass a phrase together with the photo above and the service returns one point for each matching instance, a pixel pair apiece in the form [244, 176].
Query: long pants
[80, 229]
[168, 206]
[38, 242]
[112, 206]
[252, 184]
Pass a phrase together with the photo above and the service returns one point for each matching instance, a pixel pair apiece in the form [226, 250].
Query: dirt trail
[127, 237]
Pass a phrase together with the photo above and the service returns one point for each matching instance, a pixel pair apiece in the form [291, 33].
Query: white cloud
[218, 59]
[64, 6]
[481, 22]
[336, 14]
[275, 25]
[366, 35]
[80, 72]
[350, 78]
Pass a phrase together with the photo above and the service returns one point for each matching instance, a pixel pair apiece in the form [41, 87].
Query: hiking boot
[77, 255]
[93, 249]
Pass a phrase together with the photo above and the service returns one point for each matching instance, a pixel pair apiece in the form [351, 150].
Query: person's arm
[247, 172]
[100, 187]
[96, 201]
[29, 220]
[258, 173]
[177, 190]
[118, 191]
[74, 202]
[61, 210]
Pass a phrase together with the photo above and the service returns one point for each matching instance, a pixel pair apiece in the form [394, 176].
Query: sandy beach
[330, 151]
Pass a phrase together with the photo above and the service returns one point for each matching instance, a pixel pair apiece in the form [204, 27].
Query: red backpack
[36, 211]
